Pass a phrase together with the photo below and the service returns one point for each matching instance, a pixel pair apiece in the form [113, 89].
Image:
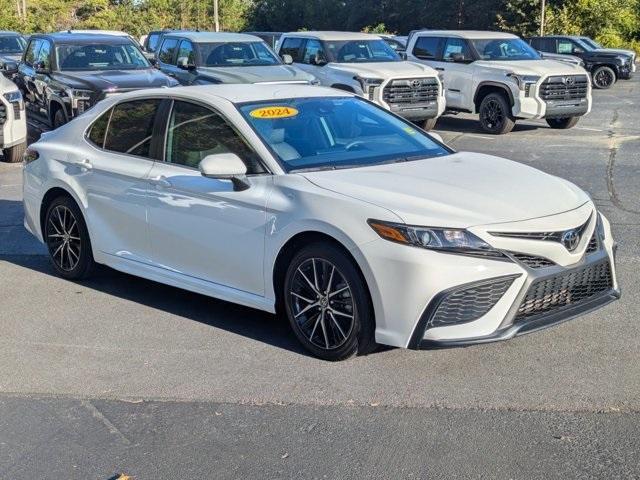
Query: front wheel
[562, 123]
[14, 154]
[327, 303]
[495, 114]
[428, 124]
[59, 118]
[67, 239]
[604, 77]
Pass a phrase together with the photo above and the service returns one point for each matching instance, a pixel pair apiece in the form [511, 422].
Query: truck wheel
[495, 115]
[604, 77]
[428, 124]
[59, 118]
[14, 154]
[562, 123]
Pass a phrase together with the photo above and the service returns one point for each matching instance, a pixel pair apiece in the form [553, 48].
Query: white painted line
[590, 129]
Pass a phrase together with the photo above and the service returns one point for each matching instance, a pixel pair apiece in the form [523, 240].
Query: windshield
[100, 57]
[336, 132]
[591, 43]
[358, 51]
[584, 43]
[504, 49]
[12, 44]
[237, 54]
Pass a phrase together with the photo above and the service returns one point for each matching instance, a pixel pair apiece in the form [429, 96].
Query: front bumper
[532, 105]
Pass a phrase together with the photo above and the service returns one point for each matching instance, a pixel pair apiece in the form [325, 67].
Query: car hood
[115, 79]
[8, 57]
[611, 52]
[459, 190]
[257, 74]
[385, 69]
[533, 67]
[561, 58]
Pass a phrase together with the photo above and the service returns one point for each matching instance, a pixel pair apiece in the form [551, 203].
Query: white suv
[366, 65]
[13, 123]
[500, 77]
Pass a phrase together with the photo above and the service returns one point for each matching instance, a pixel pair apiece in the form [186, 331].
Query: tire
[330, 311]
[495, 114]
[59, 118]
[428, 124]
[562, 123]
[14, 154]
[604, 77]
[67, 239]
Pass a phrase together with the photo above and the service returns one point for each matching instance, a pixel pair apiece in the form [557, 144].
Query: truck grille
[469, 303]
[567, 87]
[565, 289]
[3, 113]
[411, 91]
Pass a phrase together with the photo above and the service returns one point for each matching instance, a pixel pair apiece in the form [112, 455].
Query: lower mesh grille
[3, 113]
[532, 261]
[593, 244]
[569, 288]
[470, 303]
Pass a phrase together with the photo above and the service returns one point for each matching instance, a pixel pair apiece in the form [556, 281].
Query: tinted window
[99, 128]
[504, 49]
[311, 48]
[30, 53]
[359, 51]
[291, 46]
[426, 48]
[44, 54]
[336, 132]
[168, 50]
[100, 57]
[152, 41]
[237, 54]
[11, 44]
[131, 127]
[186, 51]
[456, 45]
[565, 46]
[195, 132]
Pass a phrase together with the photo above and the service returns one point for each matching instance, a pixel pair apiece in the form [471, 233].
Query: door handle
[85, 165]
[160, 181]
[440, 69]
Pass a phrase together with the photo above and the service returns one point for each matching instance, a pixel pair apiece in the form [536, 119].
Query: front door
[201, 227]
[458, 75]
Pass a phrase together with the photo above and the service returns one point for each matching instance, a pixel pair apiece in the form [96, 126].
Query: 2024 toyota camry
[356, 224]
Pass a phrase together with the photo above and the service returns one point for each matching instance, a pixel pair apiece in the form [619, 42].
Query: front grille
[469, 303]
[532, 261]
[3, 113]
[593, 244]
[543, 236]
[411, 91]
[566, 87]
[566, 289]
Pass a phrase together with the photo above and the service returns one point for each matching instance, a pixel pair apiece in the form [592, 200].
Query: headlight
[523, 80]
[14, 96]
[442, 239]
[369, 85]
[78, 94]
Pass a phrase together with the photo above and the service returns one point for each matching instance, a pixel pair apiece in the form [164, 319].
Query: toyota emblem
[570, 239]
[416, 83]
[569, 80]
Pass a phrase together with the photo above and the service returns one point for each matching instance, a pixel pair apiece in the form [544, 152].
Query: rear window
[426, 48]
[291, 46]
[131, 127]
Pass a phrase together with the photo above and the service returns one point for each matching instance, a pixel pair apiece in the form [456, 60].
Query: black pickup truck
[606, 65]
[63, 74]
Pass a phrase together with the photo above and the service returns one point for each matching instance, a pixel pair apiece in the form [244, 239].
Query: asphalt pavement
[121, 375]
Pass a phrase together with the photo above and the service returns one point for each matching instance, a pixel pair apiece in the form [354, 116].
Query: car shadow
[455, 124]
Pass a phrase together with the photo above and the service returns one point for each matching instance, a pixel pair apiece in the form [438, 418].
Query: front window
[100, 57]
[360, 51]
[336, 132]
[12, 44]
[504, 49]
[237, 54]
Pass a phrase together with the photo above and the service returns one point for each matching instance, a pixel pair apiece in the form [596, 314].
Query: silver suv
[500, 77]
[366, 65]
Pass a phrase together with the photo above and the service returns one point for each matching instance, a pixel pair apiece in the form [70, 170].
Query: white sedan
[360, 227]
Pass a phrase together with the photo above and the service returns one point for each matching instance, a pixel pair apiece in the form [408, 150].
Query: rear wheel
[562, 123]
[604, 77]
[14, 154]
[327, 303]
[495, 114]
[67, 239]
[428, 124]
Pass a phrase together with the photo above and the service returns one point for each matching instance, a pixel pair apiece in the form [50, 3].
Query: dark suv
[606, 65]
[63, 74]
[11, 48]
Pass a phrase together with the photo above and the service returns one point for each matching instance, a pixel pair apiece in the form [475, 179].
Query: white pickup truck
[366, 65]
[500, 77]
[13, 121]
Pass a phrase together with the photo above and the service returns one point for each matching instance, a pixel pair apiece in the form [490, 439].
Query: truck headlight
[523, 80]
[80, 99]
[368, 85]
[452, 240]
[15, 97]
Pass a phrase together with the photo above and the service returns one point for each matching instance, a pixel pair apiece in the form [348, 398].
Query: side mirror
[183, 63]
[10, 67]
[318, 59]
[40, 67]
[578, 50]
[225, 166]
[287, 59]
[458, 58]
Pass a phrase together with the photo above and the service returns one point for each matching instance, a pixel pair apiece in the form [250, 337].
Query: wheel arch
[343, 86]
[612, 66]
[54, 106]
[51, 194]
[488, 87]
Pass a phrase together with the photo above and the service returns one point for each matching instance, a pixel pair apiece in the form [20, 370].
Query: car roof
[468, 34]
[240, 93]
[9, 32]
[214, 36]
[333, 35]
[81, 38]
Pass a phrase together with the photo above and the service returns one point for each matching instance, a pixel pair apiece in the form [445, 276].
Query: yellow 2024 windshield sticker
[274, 112]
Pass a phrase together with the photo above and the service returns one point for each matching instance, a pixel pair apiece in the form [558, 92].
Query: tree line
[613, 22]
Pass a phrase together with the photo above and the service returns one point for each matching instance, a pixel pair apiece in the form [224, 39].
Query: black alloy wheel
[604, 77]
[495, 115]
